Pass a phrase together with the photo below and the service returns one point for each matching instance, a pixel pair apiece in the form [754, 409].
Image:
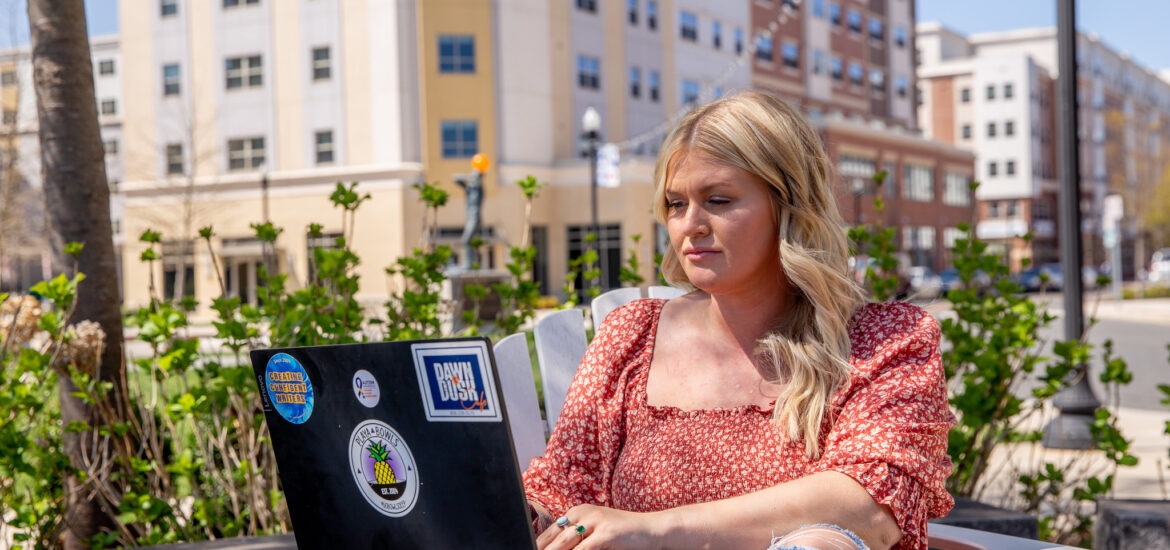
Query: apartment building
[849, 64]
[994, 94]
[242, 111]
[24, 258]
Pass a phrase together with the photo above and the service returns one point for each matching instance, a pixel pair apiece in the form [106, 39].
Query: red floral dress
[611, 448]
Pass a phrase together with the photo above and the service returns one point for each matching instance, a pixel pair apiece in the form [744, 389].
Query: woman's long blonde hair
[809, 349]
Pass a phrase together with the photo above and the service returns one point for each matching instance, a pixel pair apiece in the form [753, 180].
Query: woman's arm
[746, 521]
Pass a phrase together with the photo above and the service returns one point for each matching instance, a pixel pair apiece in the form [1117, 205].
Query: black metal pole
[1076, 404]
[594, 227]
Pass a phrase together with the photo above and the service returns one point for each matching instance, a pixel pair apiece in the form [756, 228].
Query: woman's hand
[595, 527]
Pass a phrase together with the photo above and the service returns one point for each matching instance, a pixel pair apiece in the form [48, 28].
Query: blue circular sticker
[289, 388]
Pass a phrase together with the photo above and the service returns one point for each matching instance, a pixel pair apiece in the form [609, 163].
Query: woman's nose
[696, 222]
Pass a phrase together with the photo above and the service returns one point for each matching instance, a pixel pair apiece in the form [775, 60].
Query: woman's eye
[718, 200]
[674, 204]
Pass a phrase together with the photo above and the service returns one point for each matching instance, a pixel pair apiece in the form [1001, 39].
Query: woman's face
[722, 227]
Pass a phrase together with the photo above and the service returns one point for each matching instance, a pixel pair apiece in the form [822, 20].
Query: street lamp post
[591, 136]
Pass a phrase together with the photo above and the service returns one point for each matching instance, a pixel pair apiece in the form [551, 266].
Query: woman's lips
[697, 254]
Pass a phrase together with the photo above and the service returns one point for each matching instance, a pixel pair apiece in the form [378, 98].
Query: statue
[472, 185]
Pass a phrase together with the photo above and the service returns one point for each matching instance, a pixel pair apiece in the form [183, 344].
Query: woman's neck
[747, 318]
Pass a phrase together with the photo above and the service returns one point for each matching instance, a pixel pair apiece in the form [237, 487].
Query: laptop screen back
[394, 445]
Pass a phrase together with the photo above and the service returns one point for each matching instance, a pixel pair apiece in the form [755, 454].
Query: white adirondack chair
[519, 389]
[560, 345]
[668, 292]
[610, 301]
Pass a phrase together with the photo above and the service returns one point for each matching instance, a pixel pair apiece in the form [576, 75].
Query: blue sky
[1140, 28]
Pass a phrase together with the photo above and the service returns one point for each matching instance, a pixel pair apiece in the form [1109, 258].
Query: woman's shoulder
[875, 324]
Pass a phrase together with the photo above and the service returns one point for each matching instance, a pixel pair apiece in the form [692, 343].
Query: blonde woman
[768, 407]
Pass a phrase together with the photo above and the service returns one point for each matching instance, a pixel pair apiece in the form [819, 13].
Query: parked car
[1044, 277]
[925, 284]
[950, 280]
[1160, 266]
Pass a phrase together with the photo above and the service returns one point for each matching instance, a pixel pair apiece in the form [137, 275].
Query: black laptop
[394, 445]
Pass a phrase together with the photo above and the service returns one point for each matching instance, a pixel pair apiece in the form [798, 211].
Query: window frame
[588, 72]
[173, 160]
[248, 72]
[688, 26]
[324, 148]
[321, 68]
[172, 83]
[460, 57]
[106, 67]
[244, 150]
[460, 147]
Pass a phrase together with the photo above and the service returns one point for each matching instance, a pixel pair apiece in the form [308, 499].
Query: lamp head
[590, 121]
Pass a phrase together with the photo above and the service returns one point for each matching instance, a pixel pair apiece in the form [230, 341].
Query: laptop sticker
[383, 468]
[289, 388]
[365, 387]
[455, 382]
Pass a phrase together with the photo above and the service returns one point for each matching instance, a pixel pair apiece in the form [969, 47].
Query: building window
[966, 131]
[8, 78]
[956, 190]
[877, 80]
[818, 61]
[635, 82]
[738, 41]
[990, 129]
[243, 72]
[109, 107]
[992, 168]
[1009, 128]
[965, 95]
[9, 117]
[764, 47]
[168, 8]
[106, 67]
[790, 53]
[456, 53]
[324, 146]
[245, 153]
[835, 13]
[818, 9]
[651, 14]
[1007, 91]
[587, 5]
[856, 74]
[877, 30]
[856, 167]
[688, 26]
[1009, 168]
[901, 85]
[588, 72]
[690, 92]
[632, 11]
[993, 209]
[610, 247]
[323, 64]
[238, 3]
[900, 36]
[918, 184]
[835, 68]
[854, 20]
[652, 85]
[990, 92]
[110, 146]
[716, 35]
[174, 159]
[1013, 209]
[460, 138]
[171, 79]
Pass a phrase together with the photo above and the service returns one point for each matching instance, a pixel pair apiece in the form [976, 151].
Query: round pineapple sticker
[383, 468]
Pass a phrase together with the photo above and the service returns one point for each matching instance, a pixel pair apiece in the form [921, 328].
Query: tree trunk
[77, 204]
